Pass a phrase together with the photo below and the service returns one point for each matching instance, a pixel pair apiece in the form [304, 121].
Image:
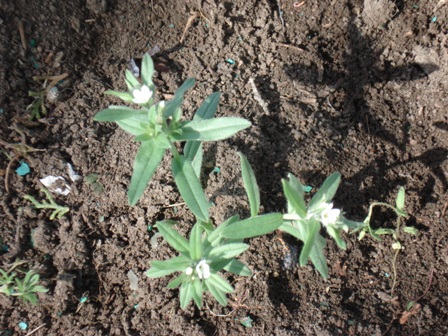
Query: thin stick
[22, 34]
[290, 46]
[34, 330]
[431, 276]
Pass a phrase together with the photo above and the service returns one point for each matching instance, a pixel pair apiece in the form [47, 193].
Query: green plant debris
[58, 211]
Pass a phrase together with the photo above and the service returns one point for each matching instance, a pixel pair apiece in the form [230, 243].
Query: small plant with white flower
[304, 221]
[158, 126]
[211, 250]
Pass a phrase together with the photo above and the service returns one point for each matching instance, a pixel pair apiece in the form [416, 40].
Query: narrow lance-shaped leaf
[211, 129]
[237, 267]
[251, 186]
[197, 292]
[196, 242]
[193, 149]
[327, 191]
[147, 69]
[131, 81]
[190, 187]
[312, 226]
[125, 96]
[115, 113]
[185, 294]
[317, 254]
[173, 237]
[294, 197]
[135, 125]
[146, 162]
[176, 102]
[254, 226]
[227, 251]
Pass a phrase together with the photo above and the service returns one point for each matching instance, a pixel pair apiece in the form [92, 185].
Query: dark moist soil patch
[350, 86]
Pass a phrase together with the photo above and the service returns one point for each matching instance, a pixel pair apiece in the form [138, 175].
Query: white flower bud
[189, 271]
[329, 216]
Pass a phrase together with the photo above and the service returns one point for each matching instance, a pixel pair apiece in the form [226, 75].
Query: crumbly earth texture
[357, 87]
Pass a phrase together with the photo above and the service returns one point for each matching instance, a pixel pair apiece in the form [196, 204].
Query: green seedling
[158, 126]
[401, 213]
[38, 106]
[211, 250]
[58, 211]
[25, 289]
[304, 221]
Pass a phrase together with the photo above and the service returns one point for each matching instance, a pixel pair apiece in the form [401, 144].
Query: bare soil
[358, 87]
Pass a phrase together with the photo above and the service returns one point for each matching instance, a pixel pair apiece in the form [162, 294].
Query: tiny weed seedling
[399, 210]
[210, 249]
[25, 289]
[159, 125]
[58, 211]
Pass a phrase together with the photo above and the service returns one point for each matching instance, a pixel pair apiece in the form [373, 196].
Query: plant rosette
[200, 261]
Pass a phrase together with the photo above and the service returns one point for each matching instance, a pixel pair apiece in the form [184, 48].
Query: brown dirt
[350, 86]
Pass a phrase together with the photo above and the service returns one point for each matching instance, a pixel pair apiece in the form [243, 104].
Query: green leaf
[177, 281]
[208, 108]
[219, 283]
[185, 294]
[147, 70]
[336, 235]
[219, 295]
[131, 81]
[176, 102]
[193, 149]
[383, 231]
[410, 229]
[162, 268]
[146, 162]
[400, 199]
[295, 198]
[401, 213]
[327, 191]
[115, 113]
[251, 186]
[215, 236]
[210, 129]
[193, 152]
[296, 193]
[227, 251]
[254, 226]
[135, 125]
[312, 228]
[196, 242]
[237, 267]
[317, 254]
[173, 237]
[190, 187]
[197, 292]
[125, 96]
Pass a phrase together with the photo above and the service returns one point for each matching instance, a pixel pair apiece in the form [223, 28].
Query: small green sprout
[58, 211]
[25, 288]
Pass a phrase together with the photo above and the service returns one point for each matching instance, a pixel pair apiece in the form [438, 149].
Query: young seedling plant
[401, 213]
[211, 250]
[158, 126]
[25, 289]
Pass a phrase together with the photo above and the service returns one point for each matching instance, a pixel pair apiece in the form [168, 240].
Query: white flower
[203, 269]
[329, 216]
[188, 271]
[142, 96]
